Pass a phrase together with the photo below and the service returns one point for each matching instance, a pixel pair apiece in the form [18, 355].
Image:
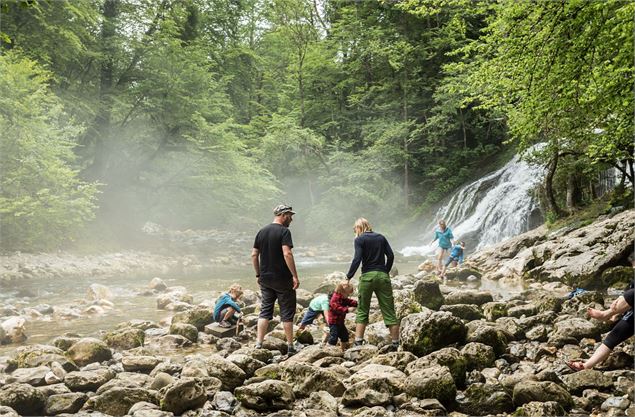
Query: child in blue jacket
[456, 256]
[226, 310]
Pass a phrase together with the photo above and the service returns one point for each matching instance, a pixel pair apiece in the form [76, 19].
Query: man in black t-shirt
[273, 261]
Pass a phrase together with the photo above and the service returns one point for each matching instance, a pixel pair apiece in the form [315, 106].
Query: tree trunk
[552, 205]
[463, 127]
[573, 192]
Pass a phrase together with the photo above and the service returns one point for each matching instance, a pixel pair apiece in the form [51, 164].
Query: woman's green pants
[379, 283]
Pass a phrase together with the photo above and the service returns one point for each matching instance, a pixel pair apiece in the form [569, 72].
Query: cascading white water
[495, 207]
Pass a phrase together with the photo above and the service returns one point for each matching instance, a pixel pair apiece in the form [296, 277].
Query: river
[128, 304]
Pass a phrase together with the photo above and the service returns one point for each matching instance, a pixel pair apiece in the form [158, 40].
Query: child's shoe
[225, 324]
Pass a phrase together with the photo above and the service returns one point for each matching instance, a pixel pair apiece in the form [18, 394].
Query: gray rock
[425, 332]
[478, 355]
[528, 391]
[432, 382]
[69, 403]
[143, 364]
[197, 317]
[539, 409]
[488, 334]
[588, 378]
[427, 294]
[195, 368]
[6, 411]
[494, 310]
[126, 380]
[88, 380]
[32, 376]
[173, 341]
[321, 400]
[188, 331]
[574, 328]
[370, 392]
[360, 353]
[125, 339]
[118, 400]
[54, 389]
[449, 357]
[468, 297]
[89, 350]
[23, 398]
[305, 379]
[33, 356]
[268, 395]
[161, 380]
[248, 364]
[229, 373]
[615, 402]
[399, 360]
[467, 312]
[184, 394]
[482, 399]
[224, 401]
[523, 310]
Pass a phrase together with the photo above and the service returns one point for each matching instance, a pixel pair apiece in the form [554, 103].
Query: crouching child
[227, 311]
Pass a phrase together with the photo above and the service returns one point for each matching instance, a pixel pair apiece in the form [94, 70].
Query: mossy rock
[186, 330]
[89, 350]
[449, 357]
[617, 276]
[483, 399]
[432, 382]
[40, 355]
[125, 339]
[425, 332]
[428, 294]
[494, 310]
[197, 317]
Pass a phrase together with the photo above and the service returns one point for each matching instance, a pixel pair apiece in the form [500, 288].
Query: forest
[207, 113]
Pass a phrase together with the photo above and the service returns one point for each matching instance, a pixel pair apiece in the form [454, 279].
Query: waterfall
[494, 208]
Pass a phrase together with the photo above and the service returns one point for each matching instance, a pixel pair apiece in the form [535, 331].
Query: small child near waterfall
[226, 310]
[339, 306]
[456, 256]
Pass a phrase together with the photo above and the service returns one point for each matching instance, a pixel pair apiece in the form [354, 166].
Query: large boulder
[186, 330]
[541, 391]
[13, 330]
[393, 376]
[449, 357]
[197, 317]
[69, 403]
[427, 294]
[88, 380]
[32, 376]
[182, 395]
[248, 364]
[370, 392]
[23, 398]
[139, 363]
[117, 401]
[89, 350]
[574, 328]
[432, 382]
[466, 312]
[483, 399]
[488, 334]
[399, 360]
[269, 395]
[425, 332]
[468, 297]
[125, 339]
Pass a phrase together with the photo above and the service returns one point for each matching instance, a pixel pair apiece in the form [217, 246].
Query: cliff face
[593, 256]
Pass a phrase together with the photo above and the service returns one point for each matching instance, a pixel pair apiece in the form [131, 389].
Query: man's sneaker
[359, 342]
[225, 324]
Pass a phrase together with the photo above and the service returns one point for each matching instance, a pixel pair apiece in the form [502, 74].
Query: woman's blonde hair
[236, 289]
[343, 286]
[361, 226]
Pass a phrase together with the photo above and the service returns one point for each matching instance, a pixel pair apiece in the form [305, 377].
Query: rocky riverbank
[463, 351]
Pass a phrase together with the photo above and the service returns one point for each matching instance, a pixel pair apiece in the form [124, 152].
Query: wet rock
[528, 391]
[229, 373]
[488, 334]
[89, 350]
[173, 341]
[478, 355]
[449, 357]
[197, 317]
[467, 312]
[539, 409]
[88, 380]
[64, 342]
[184, 394]
[13, 330]
[579, 381]
[32, 376]
[118, 400]
[143, 364]
[23, 398]
[432, 382]
[125, 339]
[157, 284]
[427, 294]
[195, 368]
[268, 395]
[69, 403]
[228, 344]
[98, 292]
[523, 310]
[425, 332]
[483, 399]
[186, 330]
[494, 310]
[468, 297]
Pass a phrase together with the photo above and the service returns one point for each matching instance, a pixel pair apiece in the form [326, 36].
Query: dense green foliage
[197, 113]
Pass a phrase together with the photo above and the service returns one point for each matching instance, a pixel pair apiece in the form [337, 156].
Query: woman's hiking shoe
[291, 350]
[225, 324]
[359, 343]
